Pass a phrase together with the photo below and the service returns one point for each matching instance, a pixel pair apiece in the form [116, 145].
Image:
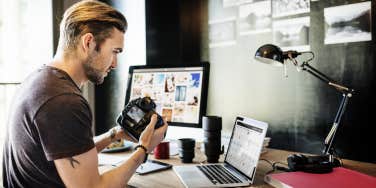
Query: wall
[299, 108]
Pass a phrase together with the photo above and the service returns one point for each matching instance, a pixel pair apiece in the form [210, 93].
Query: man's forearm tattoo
[72, 161]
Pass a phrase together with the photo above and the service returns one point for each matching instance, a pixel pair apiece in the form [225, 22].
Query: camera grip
[159, 122]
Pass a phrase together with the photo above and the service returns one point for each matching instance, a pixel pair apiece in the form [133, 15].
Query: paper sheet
[108, 159]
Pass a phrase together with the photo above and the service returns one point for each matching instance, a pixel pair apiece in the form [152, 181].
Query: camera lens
[186, 149]
[212, 126]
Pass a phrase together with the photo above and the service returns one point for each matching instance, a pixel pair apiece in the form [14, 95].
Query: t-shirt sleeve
[64, 126]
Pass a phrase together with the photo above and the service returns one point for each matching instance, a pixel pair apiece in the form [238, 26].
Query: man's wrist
[144, 149]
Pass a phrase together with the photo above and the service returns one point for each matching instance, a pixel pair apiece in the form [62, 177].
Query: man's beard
[94, 75]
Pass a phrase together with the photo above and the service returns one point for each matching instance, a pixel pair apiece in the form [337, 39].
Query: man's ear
[87, 42]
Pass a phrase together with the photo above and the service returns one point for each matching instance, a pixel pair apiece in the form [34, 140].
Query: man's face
[99, 63]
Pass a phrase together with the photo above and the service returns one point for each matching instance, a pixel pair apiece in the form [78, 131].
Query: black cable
[275, 166]
[335, 154]
[271, 164]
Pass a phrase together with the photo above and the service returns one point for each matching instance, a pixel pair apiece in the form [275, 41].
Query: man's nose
[114, 63]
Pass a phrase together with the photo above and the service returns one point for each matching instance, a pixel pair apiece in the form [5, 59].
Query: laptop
[239, 167]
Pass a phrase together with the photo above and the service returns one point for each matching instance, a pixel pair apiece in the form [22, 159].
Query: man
[49, 141]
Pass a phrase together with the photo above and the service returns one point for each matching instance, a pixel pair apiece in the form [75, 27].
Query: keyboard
[218, 174]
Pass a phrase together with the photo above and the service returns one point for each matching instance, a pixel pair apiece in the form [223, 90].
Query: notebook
[239, 167]
[340, 177]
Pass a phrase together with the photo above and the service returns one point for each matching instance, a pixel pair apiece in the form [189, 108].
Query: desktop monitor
[180, 92]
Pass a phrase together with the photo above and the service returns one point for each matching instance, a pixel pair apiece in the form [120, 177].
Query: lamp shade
[270, 54]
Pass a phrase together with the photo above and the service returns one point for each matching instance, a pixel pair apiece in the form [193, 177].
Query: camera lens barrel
[186, 149]
[212, 126]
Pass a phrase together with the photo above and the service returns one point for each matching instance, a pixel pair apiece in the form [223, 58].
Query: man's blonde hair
[89, 16]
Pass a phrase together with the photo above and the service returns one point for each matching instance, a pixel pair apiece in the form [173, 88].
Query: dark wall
[173, 31]
[299, 109]
[351, 64]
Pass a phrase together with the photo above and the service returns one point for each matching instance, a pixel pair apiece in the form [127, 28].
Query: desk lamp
[273, 55]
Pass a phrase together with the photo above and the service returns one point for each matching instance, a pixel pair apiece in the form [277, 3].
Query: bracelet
[146, 151]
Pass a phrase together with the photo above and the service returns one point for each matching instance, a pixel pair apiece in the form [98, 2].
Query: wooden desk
[168, 178]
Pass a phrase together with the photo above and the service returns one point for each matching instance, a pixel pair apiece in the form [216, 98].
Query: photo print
[222, 9]
[136, 92]
[289, 7]
[230, 3]
[222, 33]
[168, 100]
[348, 23]
[255, 18]
[147, 91]
[179, 109]
[193, 112]
[167, 113]
[195, 80]
[158, 107]
[182, 78]
[170, 83]
[193, 97]
[159, 79]
[180, 93]
[292, 34]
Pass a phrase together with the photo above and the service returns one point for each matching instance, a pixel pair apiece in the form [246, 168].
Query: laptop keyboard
[217, 174]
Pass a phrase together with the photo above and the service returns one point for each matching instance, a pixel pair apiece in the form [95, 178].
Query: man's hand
[151, 137]
[122, 134]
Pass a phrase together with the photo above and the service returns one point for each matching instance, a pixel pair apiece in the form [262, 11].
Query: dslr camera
[136, 115]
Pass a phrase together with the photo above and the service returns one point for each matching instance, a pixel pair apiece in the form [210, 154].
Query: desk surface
[168, 178]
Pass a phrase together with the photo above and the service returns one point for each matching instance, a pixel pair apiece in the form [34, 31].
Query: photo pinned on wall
[217, 10]
[348, 23]
[255, 18]
[281, 8]
[222, 33]
[230, 3]
[292, 34]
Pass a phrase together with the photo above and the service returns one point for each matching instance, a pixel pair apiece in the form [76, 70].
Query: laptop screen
[245, 145]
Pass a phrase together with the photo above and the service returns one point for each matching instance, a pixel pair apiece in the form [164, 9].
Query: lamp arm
[321, 76]
[330, 137]
[346, 94]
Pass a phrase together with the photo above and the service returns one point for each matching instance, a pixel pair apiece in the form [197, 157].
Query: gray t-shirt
[49, 119]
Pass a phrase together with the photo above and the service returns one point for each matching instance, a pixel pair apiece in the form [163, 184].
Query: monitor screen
[180, 93]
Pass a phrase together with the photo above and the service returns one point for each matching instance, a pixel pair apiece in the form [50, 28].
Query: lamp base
[336, 163]
[312, 164]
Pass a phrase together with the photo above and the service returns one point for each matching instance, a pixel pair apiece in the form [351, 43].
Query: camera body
[311, 164]
[136, 115]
